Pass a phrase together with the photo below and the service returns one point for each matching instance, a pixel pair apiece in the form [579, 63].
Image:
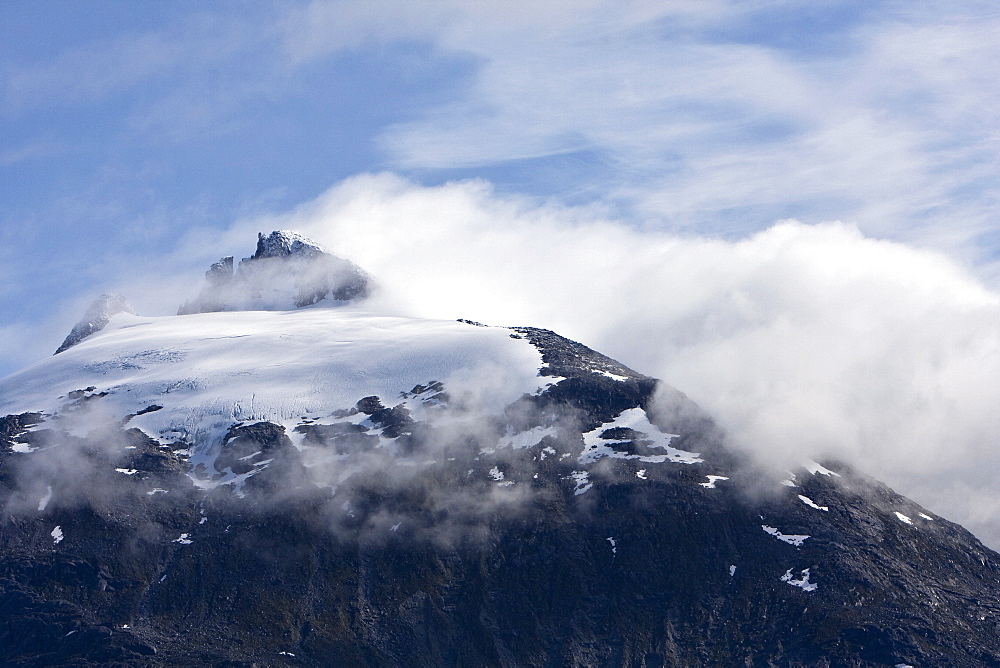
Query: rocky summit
[286, 271]
[334, 487]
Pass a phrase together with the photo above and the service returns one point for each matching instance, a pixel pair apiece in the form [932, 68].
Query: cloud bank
[804, 341]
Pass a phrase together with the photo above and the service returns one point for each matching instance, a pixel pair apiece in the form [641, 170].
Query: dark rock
[246, 445]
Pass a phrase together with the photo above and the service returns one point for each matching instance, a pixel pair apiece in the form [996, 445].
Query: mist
[803, 341]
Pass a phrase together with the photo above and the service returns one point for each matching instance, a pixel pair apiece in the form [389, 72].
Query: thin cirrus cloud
[894, 130]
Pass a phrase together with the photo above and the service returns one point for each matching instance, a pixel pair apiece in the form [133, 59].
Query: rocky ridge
[287, 270]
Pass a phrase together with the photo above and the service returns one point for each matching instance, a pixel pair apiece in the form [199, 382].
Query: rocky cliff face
[286, 271]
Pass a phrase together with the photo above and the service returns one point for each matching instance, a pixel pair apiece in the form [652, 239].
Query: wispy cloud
[709, 129]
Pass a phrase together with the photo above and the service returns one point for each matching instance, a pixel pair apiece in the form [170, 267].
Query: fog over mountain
[804, 341]
[285, 472]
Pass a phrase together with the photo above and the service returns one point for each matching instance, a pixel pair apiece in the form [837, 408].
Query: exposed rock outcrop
[286, 271]
[96, 318]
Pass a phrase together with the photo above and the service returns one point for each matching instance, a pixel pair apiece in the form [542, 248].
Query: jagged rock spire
[286, 271]
[96, 318]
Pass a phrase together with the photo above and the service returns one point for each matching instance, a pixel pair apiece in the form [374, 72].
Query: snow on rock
[183, 539]
[630, 425]
[527, 439]
[815, 469]
[208, 371]
[712, 479]
[287, 271]
[641, 474]
[802, 583]
[57, 535]
[903, 518]
[582, 480]
[96, 318]
[614, 546]
[926, 516]
[791, 539]
[809, 502]
[496, 473]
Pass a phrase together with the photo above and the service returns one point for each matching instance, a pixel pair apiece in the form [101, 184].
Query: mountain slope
[328, 486]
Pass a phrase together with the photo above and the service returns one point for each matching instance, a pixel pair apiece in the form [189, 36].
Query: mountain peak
[284, 243]
[287, 271]
[96, 318]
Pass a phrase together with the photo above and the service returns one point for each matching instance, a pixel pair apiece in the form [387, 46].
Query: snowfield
[210, 370]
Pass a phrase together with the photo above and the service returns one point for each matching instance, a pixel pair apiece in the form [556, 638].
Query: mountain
[323, 485]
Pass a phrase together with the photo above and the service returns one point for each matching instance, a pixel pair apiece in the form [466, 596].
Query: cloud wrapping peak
[805, 341]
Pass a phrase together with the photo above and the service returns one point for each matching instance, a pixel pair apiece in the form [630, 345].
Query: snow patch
[815, 469]
[527, 439]
[57, 535]
[809, 502]
[732, 571]
[712, 479]
[183, 539]
[903, 518]
[635, 419]
[496, 473]
[925, 516]
[802, 583]
[614, 546]
[641, 474]
[582, 480]
[791, 539]
[127, 471]
[156, 490]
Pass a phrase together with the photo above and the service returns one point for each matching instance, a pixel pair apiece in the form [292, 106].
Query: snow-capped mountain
[280, 477]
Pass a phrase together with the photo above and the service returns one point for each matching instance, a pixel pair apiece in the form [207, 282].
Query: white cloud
[893, 128]
[805, 341]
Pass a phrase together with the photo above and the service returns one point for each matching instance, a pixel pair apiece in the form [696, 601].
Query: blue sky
[787, 208]
[126, 127]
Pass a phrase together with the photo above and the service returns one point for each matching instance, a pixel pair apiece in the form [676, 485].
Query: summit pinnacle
[96, 318]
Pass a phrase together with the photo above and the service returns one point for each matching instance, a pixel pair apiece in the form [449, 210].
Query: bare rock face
[96, 318]
[286, 271]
